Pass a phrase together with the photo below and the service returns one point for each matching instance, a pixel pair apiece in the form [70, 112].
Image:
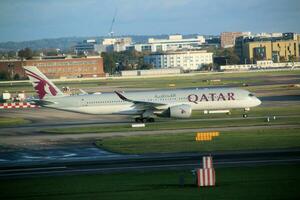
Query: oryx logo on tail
[41, 84]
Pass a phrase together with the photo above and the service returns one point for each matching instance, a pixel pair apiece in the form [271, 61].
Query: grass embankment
[6, 121]
[185, 142]
[265, 182]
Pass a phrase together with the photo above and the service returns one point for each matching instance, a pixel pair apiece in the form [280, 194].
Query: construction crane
[111, 32]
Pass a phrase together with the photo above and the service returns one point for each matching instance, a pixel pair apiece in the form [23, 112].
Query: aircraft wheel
[245, 115]
[138, 120]
[150, 119]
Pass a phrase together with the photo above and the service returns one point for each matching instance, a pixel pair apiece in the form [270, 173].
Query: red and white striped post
[207, 162]
[206, 176]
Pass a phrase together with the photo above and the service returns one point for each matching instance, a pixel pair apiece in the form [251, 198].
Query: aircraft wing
[141, 105]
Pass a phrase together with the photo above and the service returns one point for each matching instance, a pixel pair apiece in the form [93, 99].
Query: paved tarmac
[30, 152]
[55, 154]
[151, 162]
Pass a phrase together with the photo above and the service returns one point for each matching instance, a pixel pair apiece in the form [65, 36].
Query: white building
[115, 44]
[186, 60]
[268, 35]
[151, 72]
[173, 43]
[107, 45]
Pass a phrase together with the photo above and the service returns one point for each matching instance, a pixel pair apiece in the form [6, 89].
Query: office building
[86, 47]
[186, 60]
[115, 44]
[251, 50]
[173, 43]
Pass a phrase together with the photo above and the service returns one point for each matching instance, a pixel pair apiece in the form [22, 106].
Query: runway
[33, 135]
[28, 151]
[186, 161]
[61, 153]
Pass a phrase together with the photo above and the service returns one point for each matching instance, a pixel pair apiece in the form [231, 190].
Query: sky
[22, 20]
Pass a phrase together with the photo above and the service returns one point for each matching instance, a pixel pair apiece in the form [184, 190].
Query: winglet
[122, 97]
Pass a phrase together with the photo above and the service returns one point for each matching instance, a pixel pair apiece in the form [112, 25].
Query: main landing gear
[143, 120]
[245, 115]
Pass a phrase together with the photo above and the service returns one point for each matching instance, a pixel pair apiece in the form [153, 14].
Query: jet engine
[178, 111]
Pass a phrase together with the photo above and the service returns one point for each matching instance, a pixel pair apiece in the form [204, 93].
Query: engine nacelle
[178, 111]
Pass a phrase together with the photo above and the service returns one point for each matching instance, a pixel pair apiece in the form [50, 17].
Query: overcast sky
[37, 19]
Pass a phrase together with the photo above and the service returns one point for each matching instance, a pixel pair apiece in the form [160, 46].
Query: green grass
[259, 111]
[185, 142]
[176, 124]
[6, 121]
[264, 182]
[162, 82]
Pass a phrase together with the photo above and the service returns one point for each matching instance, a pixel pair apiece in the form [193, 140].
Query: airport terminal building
[57, 67]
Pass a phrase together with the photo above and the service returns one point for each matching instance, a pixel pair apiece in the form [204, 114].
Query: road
[152, 162]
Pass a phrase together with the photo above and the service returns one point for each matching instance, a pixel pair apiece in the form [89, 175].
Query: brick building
[57, 67]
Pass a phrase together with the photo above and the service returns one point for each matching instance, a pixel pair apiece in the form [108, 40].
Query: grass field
[255, 112]
[185, 142]
[177, 124]
[196, 80]
[265, 182]
[6, 121]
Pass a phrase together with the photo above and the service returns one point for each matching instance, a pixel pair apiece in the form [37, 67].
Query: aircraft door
[83, 102]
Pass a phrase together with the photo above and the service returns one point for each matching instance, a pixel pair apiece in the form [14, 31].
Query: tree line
[125, 60]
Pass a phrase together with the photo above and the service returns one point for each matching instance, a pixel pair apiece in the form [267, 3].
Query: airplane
[145, 106]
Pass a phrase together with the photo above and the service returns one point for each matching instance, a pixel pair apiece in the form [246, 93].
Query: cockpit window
[251, 95]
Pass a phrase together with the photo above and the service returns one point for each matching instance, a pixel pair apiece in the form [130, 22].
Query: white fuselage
[197, 98]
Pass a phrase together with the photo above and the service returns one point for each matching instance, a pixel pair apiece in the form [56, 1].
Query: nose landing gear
[245, 115]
